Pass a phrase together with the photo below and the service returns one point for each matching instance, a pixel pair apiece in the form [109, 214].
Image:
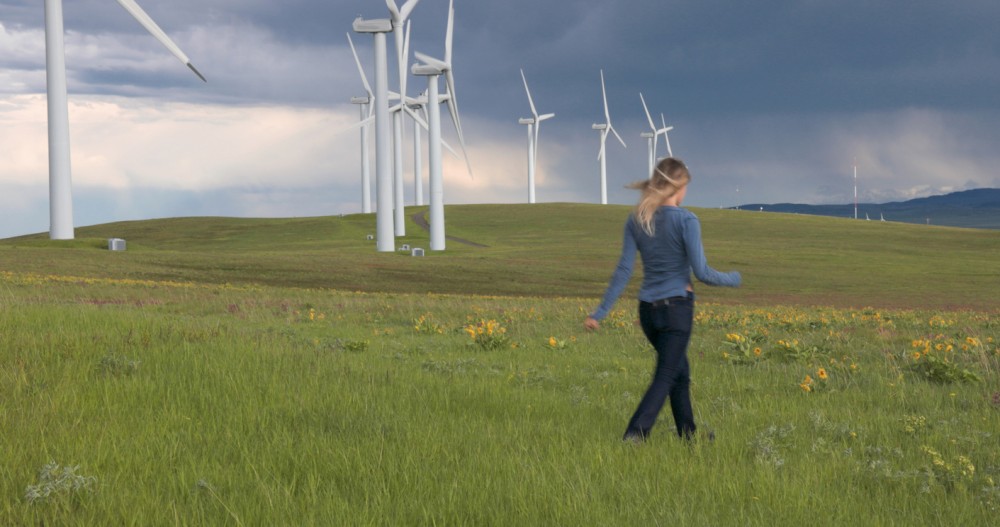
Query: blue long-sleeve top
[668, 259]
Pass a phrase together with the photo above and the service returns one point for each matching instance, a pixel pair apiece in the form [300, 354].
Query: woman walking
[669, 240]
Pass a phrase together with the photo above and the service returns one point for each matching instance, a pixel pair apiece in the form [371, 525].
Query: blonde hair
[669, 176]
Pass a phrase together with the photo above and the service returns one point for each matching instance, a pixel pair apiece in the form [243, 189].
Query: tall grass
[203, 404]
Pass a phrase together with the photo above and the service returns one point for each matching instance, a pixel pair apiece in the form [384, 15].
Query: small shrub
[54, 481]
[941, 370]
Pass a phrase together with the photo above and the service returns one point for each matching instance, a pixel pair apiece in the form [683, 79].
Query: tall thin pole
[60, 175]
[385, 241]
[397, 172]
[531, 163]
[434, 162]
[366, 178]
[855, 188]
[604, 169]
[652, 155]
[418, 179]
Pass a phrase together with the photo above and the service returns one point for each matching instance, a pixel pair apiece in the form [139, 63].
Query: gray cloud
[774, 98]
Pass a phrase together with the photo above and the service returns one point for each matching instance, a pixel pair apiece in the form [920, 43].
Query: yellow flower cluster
[488, 334]
[426, 324]
[809, 384]
[37, 279]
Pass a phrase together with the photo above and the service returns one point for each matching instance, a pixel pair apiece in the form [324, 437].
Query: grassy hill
[978, 209]
[566, 250]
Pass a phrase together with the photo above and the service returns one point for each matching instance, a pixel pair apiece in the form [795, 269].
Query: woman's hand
[591, 324]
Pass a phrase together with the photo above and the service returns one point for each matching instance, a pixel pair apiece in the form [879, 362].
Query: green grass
[211, 376]
[542, 250]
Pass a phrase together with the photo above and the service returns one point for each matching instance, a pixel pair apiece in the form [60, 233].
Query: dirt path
[420, 220]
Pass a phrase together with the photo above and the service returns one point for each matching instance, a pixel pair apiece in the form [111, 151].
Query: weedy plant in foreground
[55, 481]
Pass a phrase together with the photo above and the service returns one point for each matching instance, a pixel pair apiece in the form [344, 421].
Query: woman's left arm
[696, 258]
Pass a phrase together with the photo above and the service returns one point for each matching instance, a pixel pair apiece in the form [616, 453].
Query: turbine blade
[363, 122]
[404, 12]
[393, 10]
[670, 151]
[604, 94]
[196, 72]
[620, 140]
[655, 138]
[545, 117]
[450, 33]
[453, 109]
[416, 117]
[431, 61]
[530, 102]
[402, 55]
[361, 70]
[148, 23]
[648, 118]
[450, 149]
[604, 137]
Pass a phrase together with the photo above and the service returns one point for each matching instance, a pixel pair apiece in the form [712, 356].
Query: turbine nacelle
[380, 25]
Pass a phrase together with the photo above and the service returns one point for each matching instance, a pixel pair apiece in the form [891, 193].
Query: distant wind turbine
[366, 114]
[433, 68]
[653, 135]
[855, 188]
[60, 173]
[604, 128]
[534, 123]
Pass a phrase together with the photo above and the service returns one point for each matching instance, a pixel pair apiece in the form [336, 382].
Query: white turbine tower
[365, 103]
[653, 135]
[534, 123]
[605, 128]
[60, 173]
[418, 181]
[432, 69]
[399, 17]
[384, 238]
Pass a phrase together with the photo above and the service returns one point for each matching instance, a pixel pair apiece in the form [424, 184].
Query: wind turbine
[432, 69]
[605, 128]
[653, 135]
[384, 239]
[365, 103]
[534, 123]
[60, 174]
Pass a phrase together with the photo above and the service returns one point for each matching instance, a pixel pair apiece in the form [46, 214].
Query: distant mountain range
[978, 209]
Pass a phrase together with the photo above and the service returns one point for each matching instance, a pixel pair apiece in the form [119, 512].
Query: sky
[771, 101]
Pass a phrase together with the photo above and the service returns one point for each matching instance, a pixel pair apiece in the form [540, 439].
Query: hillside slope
[979, 208]
[565, 250]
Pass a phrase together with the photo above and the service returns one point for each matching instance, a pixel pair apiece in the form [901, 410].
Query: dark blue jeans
[668, 328]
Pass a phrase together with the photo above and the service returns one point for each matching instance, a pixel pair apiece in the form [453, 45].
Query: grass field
[280, 372]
